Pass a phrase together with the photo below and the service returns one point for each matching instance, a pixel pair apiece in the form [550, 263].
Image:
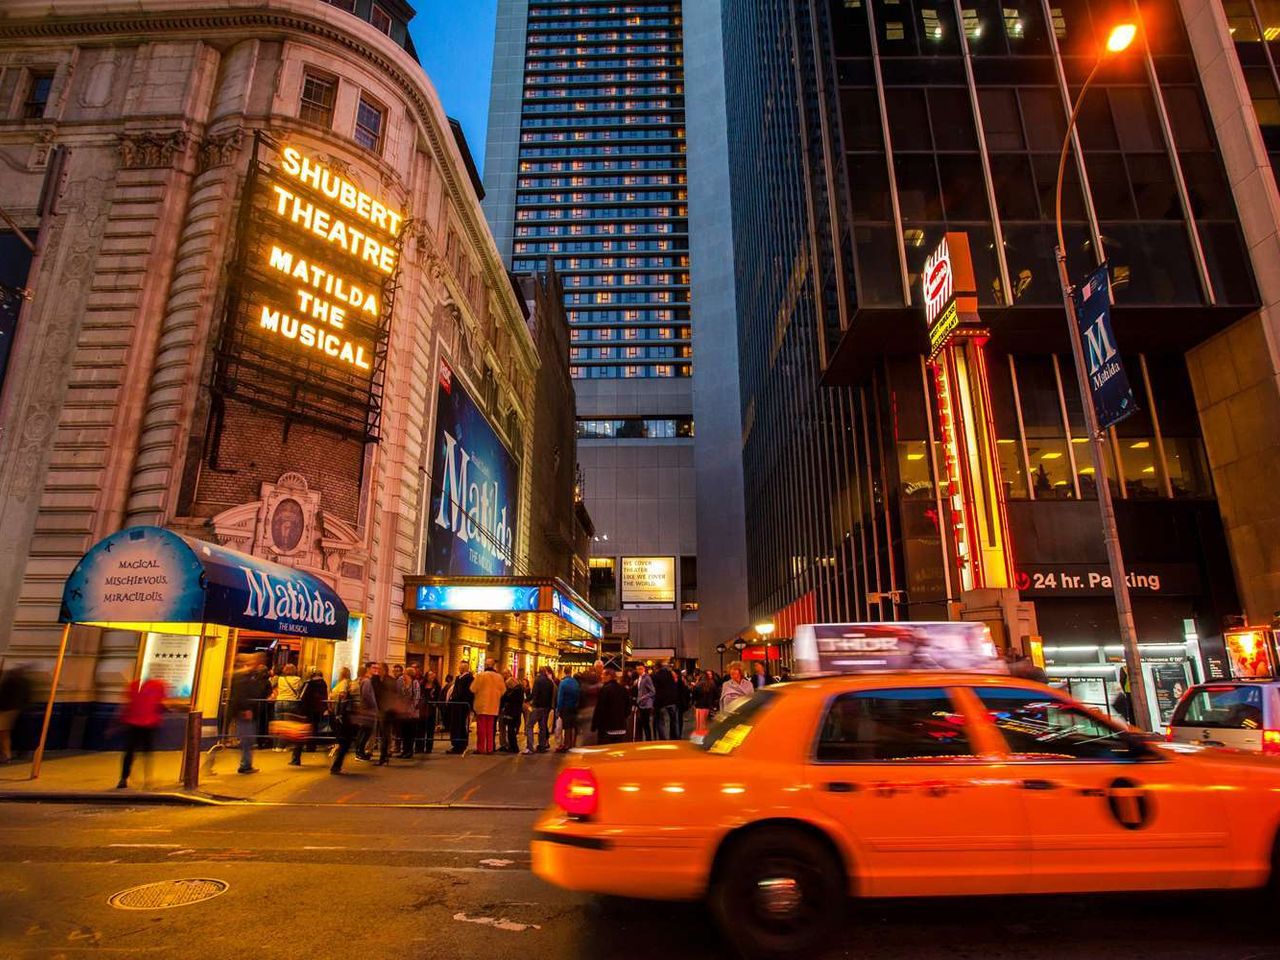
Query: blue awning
[144, 577]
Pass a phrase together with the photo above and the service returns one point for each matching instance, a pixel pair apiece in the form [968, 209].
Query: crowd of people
[394, 712]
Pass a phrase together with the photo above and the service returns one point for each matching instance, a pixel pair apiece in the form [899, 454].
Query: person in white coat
[736, 688]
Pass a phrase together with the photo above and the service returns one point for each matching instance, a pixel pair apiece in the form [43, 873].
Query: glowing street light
[1121, 36]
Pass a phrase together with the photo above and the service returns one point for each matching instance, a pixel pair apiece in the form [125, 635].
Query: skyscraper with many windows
[586, 168]
[882, 153]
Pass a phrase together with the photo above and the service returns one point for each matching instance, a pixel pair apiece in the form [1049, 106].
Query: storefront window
[1141, 472]
[1004, 414]
[1187, 466]
[1046, 436]
[1087, 468]
[915, 481]
[1086, 464]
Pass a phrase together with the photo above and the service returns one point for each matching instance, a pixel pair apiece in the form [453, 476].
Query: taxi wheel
[777, 892]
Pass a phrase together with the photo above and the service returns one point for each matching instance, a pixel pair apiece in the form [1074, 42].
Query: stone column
[1236, 374]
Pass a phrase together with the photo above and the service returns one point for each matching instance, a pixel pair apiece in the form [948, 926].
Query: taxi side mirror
[1139, 744]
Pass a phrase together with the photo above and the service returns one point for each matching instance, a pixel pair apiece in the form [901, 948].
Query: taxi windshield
[730, 728]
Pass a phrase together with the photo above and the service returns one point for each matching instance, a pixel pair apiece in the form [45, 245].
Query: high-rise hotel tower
[586, 168]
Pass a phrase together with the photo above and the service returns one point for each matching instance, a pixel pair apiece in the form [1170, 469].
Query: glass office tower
[586, 169]
[888, 481]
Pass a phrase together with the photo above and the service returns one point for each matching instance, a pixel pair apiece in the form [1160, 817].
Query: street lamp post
[764, 630]
[720, 649]
[1120, 38]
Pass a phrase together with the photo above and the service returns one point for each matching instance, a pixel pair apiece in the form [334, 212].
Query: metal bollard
[191, 751]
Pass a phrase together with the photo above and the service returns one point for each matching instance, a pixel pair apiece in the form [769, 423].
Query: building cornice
[45, 21]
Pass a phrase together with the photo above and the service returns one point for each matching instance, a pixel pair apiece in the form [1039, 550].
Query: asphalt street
[313, 882]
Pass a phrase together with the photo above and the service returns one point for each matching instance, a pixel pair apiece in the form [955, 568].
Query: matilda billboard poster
[474, 490]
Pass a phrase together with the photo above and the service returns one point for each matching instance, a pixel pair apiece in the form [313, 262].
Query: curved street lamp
[1121, 36]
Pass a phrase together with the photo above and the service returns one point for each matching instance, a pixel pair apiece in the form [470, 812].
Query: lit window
[370, 121]
[317, 99]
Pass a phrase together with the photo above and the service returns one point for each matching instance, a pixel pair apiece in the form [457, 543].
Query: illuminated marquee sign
[503, 598]
[950, 292]
[570, 611]
[311, 293]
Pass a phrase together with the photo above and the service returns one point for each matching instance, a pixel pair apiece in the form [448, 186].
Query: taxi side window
[1037, 726]
[878, 725]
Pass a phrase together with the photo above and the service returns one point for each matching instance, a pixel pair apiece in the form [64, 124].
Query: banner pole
[48, 707]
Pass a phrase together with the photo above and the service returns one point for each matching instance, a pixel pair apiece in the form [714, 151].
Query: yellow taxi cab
[902, 784]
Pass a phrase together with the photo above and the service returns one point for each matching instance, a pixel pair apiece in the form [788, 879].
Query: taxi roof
[905, 678]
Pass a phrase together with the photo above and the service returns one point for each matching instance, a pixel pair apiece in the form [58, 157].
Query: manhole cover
[166, 894]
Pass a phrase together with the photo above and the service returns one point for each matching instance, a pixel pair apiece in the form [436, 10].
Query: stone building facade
[127, 133]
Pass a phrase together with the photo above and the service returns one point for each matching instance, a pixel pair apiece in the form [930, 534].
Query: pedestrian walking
[429, 710]
[15, 692]
[542, 702]
[705, 698]
[460, 700]
[567, 696]
[143, 711]
[286, 710]
[736, 688]
[609, 721]
[312, 704]
[486, 691]
[512, 712]
[247, 688]
[665, 700]
[644, 703]
[342, 718]
[367, 711]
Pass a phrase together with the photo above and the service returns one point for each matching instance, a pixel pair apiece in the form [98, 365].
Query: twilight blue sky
[454, 39]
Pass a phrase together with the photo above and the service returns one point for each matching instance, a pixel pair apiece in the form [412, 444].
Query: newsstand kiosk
[187, 600]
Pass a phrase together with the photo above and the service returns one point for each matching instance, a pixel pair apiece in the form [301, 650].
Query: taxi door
[897, 768]
[1104, 811]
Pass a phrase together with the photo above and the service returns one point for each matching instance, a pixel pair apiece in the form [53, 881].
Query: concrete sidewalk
[497, 781]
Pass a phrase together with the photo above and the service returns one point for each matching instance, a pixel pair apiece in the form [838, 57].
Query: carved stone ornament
[218, 151]
[288, 526]
[149, 150]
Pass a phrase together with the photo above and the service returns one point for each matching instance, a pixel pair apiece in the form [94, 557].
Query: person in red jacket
[141, 714]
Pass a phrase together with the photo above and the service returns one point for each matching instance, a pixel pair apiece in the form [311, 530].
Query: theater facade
[251, 267]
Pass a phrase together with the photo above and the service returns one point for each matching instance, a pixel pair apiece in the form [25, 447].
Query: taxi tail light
[1271, 743]
[576, 792]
